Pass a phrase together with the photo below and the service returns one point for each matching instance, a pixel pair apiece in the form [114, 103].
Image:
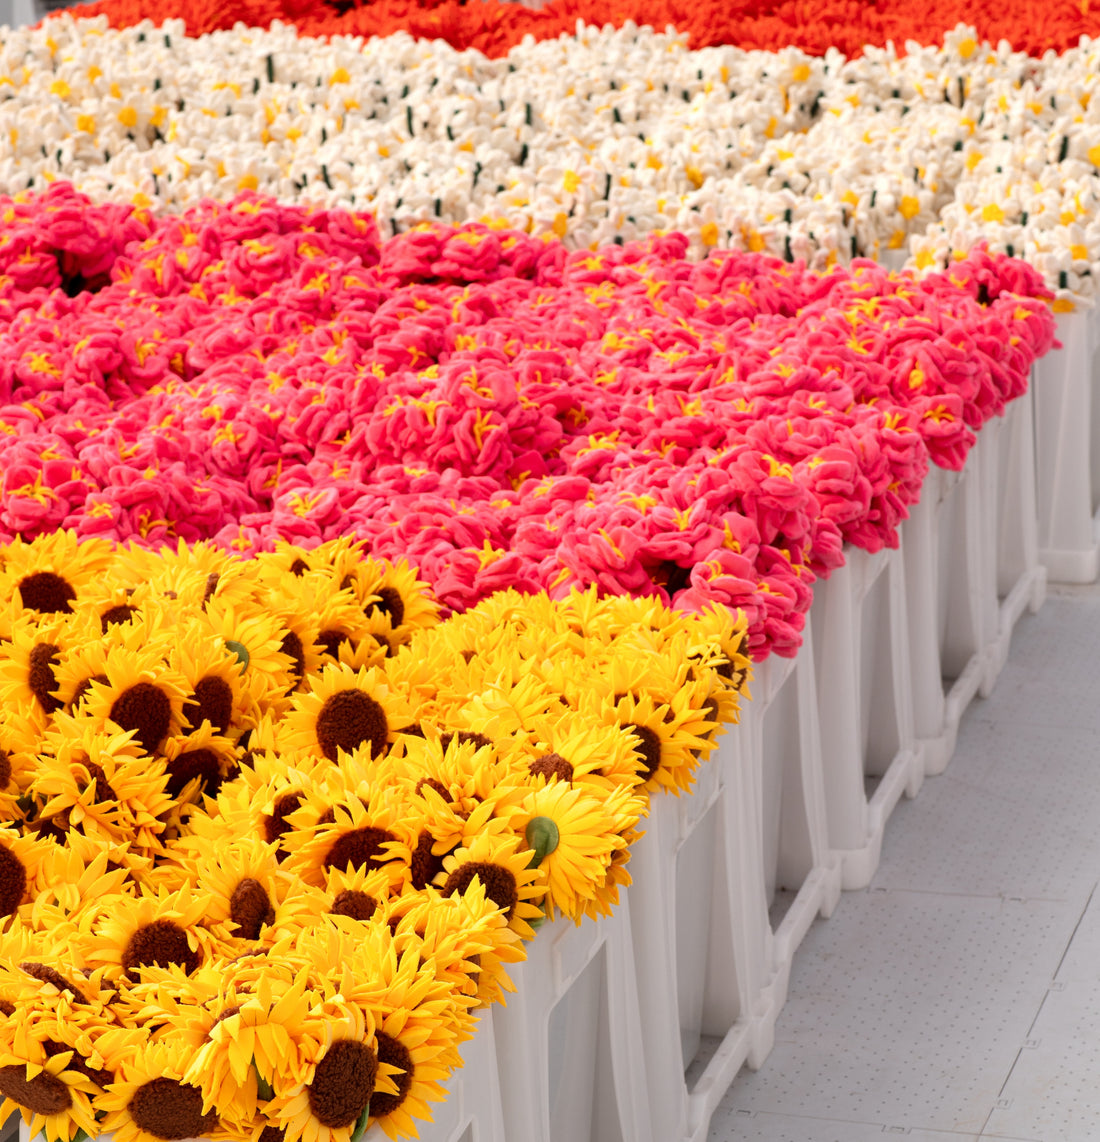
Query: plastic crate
[800, 874]
[696, 903]
[1067, 460]
[864, 692]
[569, 1044]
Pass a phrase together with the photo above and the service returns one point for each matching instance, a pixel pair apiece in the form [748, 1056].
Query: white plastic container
[864, 692]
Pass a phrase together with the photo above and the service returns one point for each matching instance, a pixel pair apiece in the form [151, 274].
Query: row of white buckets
[632, 1029]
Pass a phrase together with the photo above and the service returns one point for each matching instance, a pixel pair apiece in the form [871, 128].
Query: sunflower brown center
[44, 1094]
[212, 701]
[103, 790]
[13, 881]
[649, 746]
[192, 763]
[47, 592]
[498, 881]
[347, 720]
[277, 825]
[343, 1083]
[389, 603]
[6, 1009]
[85, 687]
[272, 1134]
[211, 586]
[479, 740]
[77, 1063]
[331, 640]
[357, 905]
[228, 1013]
[40, 676]
[160, 943]
[552, 765]
[170, 1110]
[437, 785]
[116, 615]
[250, 908]
[145, 708]
[361, 848]
[425, 866]
[292, 645]
[5, 768]
[46, 974]
[299, 567]
[394, 1052]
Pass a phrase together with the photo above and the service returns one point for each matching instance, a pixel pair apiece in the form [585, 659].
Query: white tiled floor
[959, 996]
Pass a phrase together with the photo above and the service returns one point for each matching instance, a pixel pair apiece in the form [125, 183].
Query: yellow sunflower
[418, 1024]
[74, 878]
[249, 892]
[343, 711]
[214, 674]
[196, 762]
[142, 693]
[48, 573]
[102, 781]
[256, 638]
[466, 939]
[578, 750]
[28, 661]
[572, 837]
[499, 862]
[358, 893]
[51, 1095]
[149, 1101]
[357, 836]
[152, 928]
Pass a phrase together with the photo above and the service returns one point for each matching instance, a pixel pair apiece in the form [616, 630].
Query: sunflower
[342, 1073]
[102, 781]
[418, 1024]
[499, 862]
[191, 574]
[572, 836]
[158, 928]
[48, 969]
[24, 868]
[51, 1095]
[356, 836]
[248, 891]
[287, 560]
[393, 590]
[256, 637]
[28, 661]
[343, 711]
[260, 801]
[452, 793]
[149, 1101]
[49, 573]
[196, 763]
[214, 674]
[573, 748]
[19, 745]
[359, 892]
[466, 939]
[142, 693]
[74, 879]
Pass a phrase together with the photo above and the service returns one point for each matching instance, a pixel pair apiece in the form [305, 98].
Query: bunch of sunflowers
[271, 831]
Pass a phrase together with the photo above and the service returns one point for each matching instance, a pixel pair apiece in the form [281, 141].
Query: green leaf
[240, 650]
[264, 1090]
[81, 1134]
[361, 1125]
[542, 836]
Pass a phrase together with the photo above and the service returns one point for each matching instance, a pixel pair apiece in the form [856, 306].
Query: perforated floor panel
[959, 996]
